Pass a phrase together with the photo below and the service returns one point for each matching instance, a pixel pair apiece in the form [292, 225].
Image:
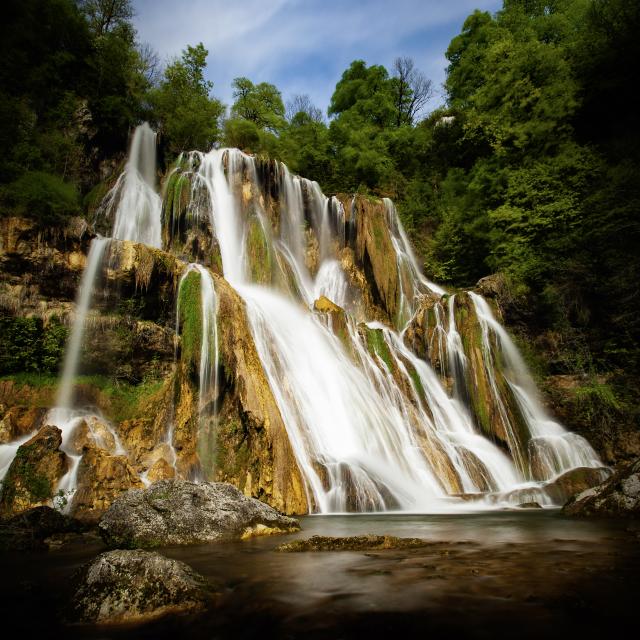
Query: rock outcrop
[173, 512]
[136, 586]
[18, 422]
[575, 481]
[102, 477]
[34, 473]
[619, 496]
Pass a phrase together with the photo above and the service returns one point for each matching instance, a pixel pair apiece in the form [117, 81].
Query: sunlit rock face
[287, 342]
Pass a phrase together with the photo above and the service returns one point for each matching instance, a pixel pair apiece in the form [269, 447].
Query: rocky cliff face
[145, 383]
[141, 370]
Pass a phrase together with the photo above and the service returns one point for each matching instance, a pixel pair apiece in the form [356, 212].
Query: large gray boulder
[134, 586]
[619, 496]
[172, 512]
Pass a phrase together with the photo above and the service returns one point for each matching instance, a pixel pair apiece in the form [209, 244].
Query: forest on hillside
[530, 170]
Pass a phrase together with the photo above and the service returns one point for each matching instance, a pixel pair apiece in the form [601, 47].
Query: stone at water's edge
[352, 543]
[619, 496]
[30, 529]
[173, 512]
[135, 586]
[575, 481]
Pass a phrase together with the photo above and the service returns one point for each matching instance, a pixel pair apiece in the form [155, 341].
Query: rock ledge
[173, 512]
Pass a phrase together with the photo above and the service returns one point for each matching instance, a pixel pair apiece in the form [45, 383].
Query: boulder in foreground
[174, 512]
[136, 586]
[619, 496]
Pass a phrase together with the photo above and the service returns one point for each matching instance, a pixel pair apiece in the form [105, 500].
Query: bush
[27, 345]
[41, 195]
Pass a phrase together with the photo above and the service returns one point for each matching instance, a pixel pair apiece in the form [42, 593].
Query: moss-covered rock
[34, 473]
[176, 512]
[135, 586]
[352, 543]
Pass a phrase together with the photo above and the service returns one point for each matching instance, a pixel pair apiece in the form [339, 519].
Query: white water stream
[371, 425]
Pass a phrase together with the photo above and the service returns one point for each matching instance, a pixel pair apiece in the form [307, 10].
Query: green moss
[259, 252]
[190, 309]
[417, 383]
[596, 402]
[93, 199]
[377, 345]
[32, 485]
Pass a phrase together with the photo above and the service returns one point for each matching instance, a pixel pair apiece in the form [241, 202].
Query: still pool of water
[480, 575]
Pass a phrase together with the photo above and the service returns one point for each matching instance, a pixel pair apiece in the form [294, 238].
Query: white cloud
[303, 46]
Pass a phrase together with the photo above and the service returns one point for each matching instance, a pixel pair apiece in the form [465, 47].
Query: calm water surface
[482, 574]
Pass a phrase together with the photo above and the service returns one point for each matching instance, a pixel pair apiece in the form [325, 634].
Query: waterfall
[133, 202]
[208, 356]
[372, 426]
[551, 447]
[135, 207]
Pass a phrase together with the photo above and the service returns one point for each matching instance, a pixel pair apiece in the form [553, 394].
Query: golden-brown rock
[101, 479]
[34, 473]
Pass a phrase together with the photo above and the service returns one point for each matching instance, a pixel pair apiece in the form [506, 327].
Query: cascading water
[208, 369]
[135, 208]
[372, 426]
[551, 448]
[133, 202]
[370, 431]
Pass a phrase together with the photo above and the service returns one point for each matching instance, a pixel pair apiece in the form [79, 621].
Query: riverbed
[483, 575]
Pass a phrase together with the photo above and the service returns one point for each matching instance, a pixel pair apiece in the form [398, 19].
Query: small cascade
[208, 358]
[458, 362]
[133, 203]
[83, 303]
[410, 279]
[551, 449]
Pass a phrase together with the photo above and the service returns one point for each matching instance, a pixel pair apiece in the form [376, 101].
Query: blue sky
[303, 46]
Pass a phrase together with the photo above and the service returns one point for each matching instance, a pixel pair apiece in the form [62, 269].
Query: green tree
[260, 103]
[188, 116]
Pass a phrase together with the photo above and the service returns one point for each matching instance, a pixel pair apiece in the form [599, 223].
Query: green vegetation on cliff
[531, 169]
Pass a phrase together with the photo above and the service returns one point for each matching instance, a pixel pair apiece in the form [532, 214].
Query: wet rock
[20, 421]
[334, 315]
[352, 543]
[174, 512]
[135, 586]
[575, 481]
[619, 496]
[101, 479]
[161, 470]
[92, 432]
[29, 529]
[34, 473]
[529, 505]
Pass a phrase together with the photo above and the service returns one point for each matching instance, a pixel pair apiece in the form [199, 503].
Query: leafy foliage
[27, 345]
[188, 116]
